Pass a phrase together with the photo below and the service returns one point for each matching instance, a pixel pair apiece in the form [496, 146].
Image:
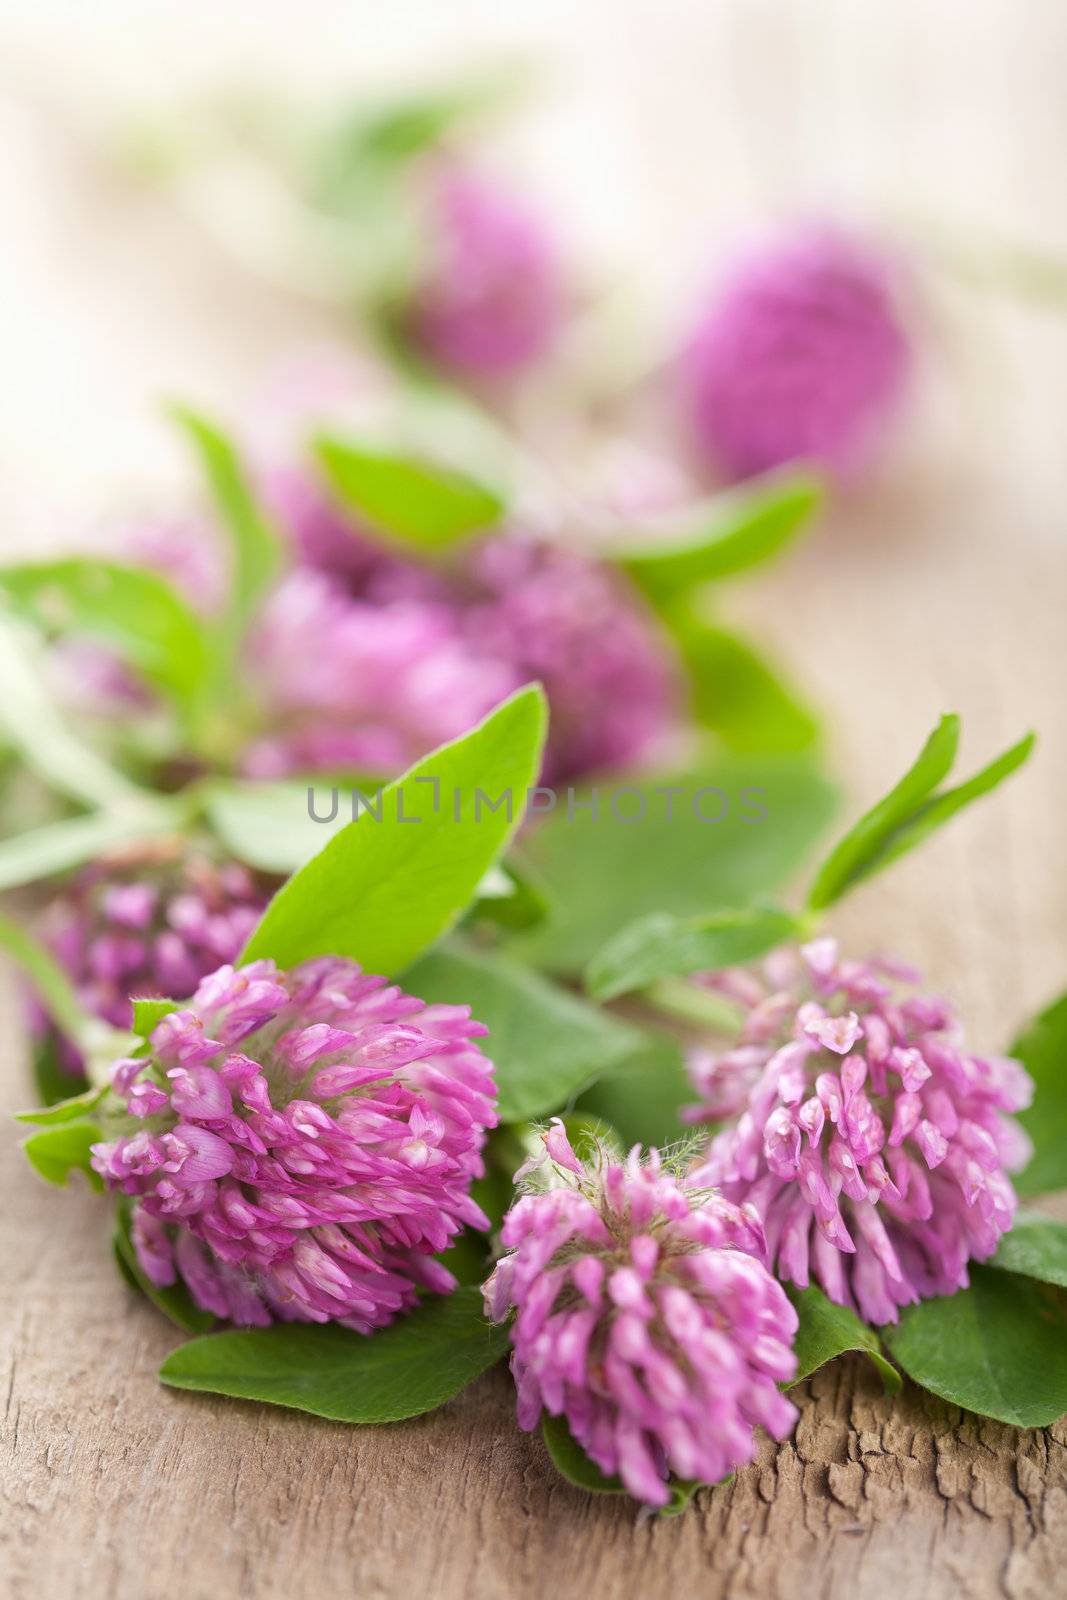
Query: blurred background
[658, 137]
[658, 134]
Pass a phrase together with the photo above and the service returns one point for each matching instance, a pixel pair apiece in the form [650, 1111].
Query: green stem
[688, 1002]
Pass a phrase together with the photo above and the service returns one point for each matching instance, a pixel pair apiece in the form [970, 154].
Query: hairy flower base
[643, 1318]
[312, 1173]
[872, 1145]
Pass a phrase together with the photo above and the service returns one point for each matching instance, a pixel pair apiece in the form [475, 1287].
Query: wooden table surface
[941, 586]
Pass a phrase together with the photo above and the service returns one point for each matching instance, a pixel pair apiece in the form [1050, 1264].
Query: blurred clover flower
[874, 1147]
[364, 658]
[185, 552]
[491, 297]
[346, 683]
[505, 609]
[298, 1145]
[321, 534]
[643, 1318]
[407, 655]
[148, 922]
[608, 668]
[802, 356]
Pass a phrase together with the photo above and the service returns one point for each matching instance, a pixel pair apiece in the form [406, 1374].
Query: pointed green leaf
[369, 146]
[414, 501]
[1036, 1248]
[149, 1012]
[737, 693]
[134, 611]
[49, 979]
[664, 946]
[382, 891]
[57, 1152]
[1042, 1049]
[910, 812]
[827, 1330]
[546, 1044]
[40, 734]
[938, 810]
[400, 127]
[254, 544]
[866, 836]
[724, 536]
[411, 1367]
[998, 1348]
[73, 1109]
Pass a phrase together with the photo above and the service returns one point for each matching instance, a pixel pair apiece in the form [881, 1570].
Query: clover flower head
[183, 549]
[152, 920]
[644, 1317]
[346, 683]
[873, 1145]
[573, 623]
[321, 533]
[492, 299]
[803, 356]
[298, 1145]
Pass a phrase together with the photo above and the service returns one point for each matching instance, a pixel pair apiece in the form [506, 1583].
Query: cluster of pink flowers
[874, 1146]
[153, 920]
[416, 650]
[363, 658]
[298, 1145]
[610, 673]
[643, 1317]
[390, 657]
[803, 356]
[345, 683]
